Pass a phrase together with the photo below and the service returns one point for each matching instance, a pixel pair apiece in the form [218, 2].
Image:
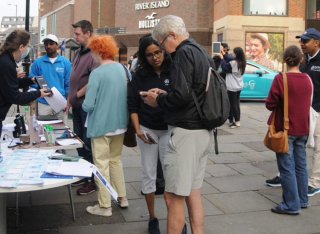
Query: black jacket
[10, 84]
[143, 80]
[189, 71]
[312, 68]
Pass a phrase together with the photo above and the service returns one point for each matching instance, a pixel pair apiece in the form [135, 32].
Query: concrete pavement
[236, 199]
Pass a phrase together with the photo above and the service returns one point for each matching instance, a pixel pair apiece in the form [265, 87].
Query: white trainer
[123, 202]
[97, 210]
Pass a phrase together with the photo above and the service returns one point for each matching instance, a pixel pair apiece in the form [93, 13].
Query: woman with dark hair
[14, 49]
[151, 130]
[234, 81]
[292, 165]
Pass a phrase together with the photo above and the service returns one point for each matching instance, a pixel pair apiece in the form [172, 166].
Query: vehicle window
[251, 69]
[268, 8]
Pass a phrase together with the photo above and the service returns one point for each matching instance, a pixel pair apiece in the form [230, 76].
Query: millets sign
[150, 20]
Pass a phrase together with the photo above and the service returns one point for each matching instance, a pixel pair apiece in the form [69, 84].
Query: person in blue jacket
[56, 71]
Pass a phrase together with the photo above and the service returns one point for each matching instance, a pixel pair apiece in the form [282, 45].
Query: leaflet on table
[9, 127]
[8, 183]
[105, 183]
[69, 141]
[49, 122]
[82, 168]
[24, 167]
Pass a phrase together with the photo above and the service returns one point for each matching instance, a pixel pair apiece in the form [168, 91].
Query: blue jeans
[294, 175]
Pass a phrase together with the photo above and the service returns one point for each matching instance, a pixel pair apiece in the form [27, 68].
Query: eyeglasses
[163, 41]
[156, 54]
[304, 41]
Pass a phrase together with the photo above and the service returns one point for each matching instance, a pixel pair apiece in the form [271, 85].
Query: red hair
[105, 46]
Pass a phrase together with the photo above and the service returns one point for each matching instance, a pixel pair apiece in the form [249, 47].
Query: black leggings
[234, 99]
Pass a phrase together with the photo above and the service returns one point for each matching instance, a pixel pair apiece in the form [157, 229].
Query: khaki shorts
[185, 160]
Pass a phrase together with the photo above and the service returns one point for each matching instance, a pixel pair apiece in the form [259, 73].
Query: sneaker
[274, 182]
[184, 230]
[97, 210]
[280, 211]
[153, 226]
[312, 191]
[235, 125]
[231, 124]
[87, 188]
[123, 202]
[78, 183]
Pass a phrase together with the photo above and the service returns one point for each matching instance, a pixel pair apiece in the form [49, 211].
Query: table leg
[3, 213]
[71, 202]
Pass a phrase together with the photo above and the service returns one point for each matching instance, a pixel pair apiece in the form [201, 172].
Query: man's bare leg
[176, 215]
[196, 211]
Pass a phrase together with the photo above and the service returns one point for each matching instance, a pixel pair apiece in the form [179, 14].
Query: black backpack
[215, 109]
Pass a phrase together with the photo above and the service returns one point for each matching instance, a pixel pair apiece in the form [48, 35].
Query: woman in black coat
[14, 49]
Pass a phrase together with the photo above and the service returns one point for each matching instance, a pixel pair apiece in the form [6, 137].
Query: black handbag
[129, 139]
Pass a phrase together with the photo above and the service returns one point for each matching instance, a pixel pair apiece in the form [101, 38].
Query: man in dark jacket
[186, 156]
[82, 66]
[310, 45]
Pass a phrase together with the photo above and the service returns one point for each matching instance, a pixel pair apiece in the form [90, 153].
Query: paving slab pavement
[236, 199]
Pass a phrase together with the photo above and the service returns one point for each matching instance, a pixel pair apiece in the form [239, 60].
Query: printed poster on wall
[265, 49]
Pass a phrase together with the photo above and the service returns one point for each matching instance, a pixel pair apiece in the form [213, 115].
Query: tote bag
[278, 141]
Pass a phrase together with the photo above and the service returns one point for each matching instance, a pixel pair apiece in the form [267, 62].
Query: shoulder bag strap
[286, 115]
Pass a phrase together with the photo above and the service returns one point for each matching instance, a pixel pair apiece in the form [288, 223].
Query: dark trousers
[0, 128]
[79, 119]
[234, 99]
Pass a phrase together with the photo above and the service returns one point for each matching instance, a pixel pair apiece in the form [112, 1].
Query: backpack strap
[195, 99]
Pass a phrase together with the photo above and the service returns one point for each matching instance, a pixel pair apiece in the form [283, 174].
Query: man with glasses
[310, 45]
[56, 71]
[186, 155]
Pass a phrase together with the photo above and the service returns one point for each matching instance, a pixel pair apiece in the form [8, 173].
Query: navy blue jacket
[143, 80]
[10, 84]
[312, 68]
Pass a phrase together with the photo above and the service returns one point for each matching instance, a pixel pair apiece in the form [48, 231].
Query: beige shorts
[185, 160]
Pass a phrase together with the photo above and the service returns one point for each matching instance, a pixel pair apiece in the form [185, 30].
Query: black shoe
[312, 191]
[279, 211]
[274, 182]
[87, 188]
[184, 230]
[153, 226]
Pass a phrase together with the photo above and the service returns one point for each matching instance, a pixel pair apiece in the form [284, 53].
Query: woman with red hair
[106, 104]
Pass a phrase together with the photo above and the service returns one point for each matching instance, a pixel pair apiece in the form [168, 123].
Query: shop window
[269, 7]
[313, 7]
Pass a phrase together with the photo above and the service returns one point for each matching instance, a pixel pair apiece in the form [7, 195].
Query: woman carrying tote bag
[292, 165]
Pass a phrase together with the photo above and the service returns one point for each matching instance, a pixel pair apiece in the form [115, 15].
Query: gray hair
[167, 24]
